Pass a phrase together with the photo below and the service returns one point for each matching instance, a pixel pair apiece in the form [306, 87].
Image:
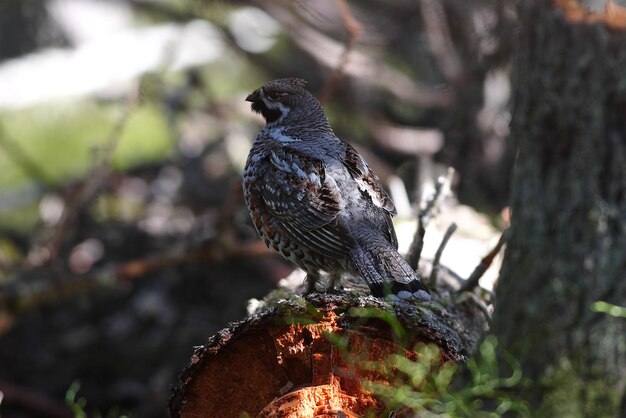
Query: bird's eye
[272, 95]
[275, 94]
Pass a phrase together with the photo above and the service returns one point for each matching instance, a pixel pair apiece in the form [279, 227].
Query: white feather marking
[334, 189]
[284, 111]
[277, 134]
[298, 170]
[280, 163]
[363, 186]
[315, 179]
[270, 189]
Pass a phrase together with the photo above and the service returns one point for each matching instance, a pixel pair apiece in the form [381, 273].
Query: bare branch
[426, 213]
[444, 242]
[415, 250]
[478, 272]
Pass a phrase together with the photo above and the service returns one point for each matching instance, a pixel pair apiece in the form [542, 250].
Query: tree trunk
[283, 361]
[567, 248]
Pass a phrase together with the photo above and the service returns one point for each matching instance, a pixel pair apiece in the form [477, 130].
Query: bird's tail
[384, 270]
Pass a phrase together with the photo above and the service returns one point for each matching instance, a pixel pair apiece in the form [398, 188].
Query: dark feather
[305, 201]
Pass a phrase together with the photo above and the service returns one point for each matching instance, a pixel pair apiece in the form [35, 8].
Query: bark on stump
[281, 362]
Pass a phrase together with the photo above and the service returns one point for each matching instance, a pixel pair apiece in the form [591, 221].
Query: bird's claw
[405, 295]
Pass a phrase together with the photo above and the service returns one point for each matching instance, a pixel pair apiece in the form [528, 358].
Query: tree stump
[304, 356]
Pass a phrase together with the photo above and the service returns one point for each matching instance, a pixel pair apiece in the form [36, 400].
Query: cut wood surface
[304, 356]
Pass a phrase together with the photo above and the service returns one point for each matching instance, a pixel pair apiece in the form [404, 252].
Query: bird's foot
[333, 287]
[310, 282]
[405, 295]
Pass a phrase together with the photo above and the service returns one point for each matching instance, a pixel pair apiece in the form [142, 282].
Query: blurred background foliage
[124, 240]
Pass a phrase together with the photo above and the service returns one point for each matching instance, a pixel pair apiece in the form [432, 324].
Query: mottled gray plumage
[314, 199]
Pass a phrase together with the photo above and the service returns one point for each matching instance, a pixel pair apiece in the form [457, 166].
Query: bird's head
[282, 100]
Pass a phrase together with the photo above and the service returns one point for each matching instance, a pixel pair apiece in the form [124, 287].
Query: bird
[314, 199]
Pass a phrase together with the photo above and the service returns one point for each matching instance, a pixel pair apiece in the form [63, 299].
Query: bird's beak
[253, 97]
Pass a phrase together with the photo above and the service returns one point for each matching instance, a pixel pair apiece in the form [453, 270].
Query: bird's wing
[370, 187]
[367, 181]
[305, 200]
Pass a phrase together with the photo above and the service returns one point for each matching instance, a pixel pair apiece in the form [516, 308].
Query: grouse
[314, 199]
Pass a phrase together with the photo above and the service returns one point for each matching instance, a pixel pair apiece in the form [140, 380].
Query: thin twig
[424, 216]
[354, 29]
[415, 250]
[478, 272]
[444, 242]
[426, 213]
